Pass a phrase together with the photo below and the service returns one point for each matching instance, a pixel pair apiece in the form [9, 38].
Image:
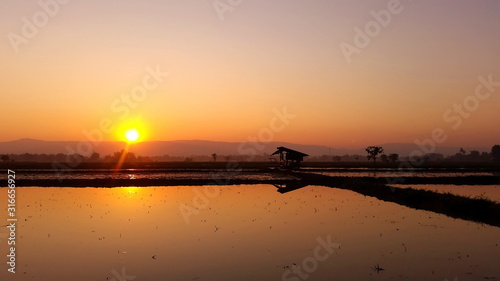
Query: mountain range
[201, 147]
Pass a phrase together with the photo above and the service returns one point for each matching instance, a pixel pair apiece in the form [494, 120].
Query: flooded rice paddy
[240, 232]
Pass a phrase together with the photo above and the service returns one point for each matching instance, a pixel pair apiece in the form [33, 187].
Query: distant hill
[186, 148]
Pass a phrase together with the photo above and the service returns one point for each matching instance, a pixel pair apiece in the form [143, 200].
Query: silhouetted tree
[462, 150]
[121, 155]
[457, 157]
[214, 156]
[117, 155]
[94, 157]
[130, 157]
[495, 152]
[384, 158]
[474, 155]
[60, 157]
[394, 157]
[5, 158]
[373, 151]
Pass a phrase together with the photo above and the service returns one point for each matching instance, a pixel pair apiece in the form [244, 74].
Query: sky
[327, 72]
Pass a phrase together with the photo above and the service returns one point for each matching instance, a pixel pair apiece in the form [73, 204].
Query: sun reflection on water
[131, 191]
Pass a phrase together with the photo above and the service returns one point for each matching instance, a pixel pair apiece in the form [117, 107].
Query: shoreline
[237, 180]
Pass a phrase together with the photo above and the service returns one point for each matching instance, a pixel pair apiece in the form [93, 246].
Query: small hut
[290, 158]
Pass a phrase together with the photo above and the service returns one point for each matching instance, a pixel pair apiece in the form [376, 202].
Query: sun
[132, 135]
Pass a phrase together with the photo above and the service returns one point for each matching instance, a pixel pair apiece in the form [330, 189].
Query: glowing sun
[132, 135]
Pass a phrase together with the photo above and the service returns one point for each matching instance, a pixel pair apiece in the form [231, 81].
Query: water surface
[239, 233]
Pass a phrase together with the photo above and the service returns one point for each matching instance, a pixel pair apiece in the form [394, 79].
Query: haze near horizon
[333, 73]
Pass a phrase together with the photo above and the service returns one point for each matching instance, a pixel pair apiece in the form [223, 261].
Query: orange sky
[227, 77]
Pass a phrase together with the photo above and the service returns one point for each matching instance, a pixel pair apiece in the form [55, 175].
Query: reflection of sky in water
[244, 233]
[491, 192]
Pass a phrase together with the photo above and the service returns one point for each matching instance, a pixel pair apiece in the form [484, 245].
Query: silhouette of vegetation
[495, 152]
[5, 158]
[373, 151]
[474, 209]
[473, 155]
[95, 157]
[214, 156]
[472, 159]
[337, 158]
[394, 157]
[122, 155]
[434, 157]
[384, 158]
